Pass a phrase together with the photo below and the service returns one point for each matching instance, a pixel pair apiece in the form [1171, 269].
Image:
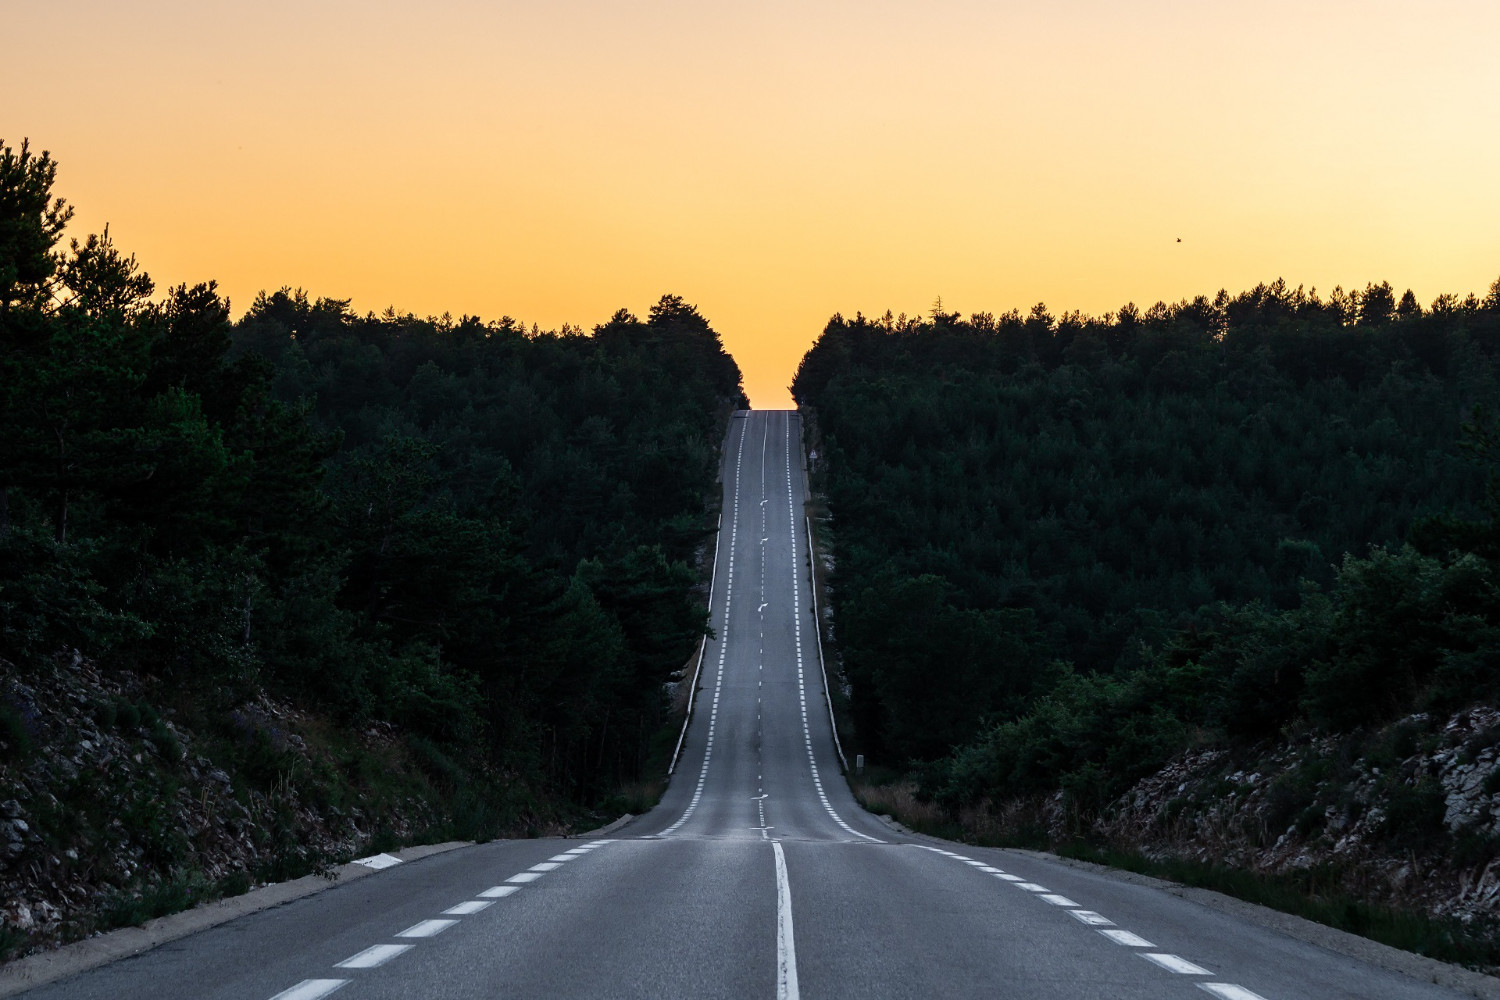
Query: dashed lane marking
[469, 908]
[1229, 991]
[1174, 963]
[1091, 918]
[374, 956]
[427, 929]
[500, 891]
[310, 989]
[1125, 938]
[812, 761]
[377, 955]
[708, 750]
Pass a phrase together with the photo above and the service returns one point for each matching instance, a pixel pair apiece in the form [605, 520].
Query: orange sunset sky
[772, 163]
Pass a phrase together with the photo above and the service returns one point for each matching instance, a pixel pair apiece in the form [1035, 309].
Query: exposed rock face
[1407, 815]
[103, 798]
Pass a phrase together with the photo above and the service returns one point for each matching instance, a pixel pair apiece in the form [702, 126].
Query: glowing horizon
[772, 166]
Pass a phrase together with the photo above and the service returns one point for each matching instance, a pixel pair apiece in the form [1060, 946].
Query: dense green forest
[1069, 547]
[482, 534]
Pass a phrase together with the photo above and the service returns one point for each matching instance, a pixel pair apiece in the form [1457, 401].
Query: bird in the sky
[1179, 239]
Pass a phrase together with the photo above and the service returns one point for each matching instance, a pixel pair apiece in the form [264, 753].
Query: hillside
[1073, 552]
[279, 591]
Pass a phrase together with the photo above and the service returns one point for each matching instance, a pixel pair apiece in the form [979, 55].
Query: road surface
[757, 875]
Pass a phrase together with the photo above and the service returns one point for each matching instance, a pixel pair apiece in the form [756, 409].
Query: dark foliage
[1069, 548]
[482, 533]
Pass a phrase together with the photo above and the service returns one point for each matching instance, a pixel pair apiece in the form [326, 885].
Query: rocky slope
[113, 810]
[1407, 815]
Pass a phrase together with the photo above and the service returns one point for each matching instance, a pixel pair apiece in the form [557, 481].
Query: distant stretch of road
[757, 875]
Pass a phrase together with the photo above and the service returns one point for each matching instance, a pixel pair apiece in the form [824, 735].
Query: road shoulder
[1340, 942]
[81, 956]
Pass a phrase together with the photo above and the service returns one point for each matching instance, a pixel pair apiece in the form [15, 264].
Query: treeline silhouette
[482, 534]
[1069, 547]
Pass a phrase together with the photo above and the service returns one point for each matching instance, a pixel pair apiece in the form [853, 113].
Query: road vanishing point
[757, 876]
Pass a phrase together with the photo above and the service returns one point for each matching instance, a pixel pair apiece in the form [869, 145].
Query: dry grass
[898, 799]
[1015, 824]
[636, 797]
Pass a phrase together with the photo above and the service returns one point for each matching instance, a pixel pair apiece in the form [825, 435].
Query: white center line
[786, 945]
[310, 989]
[374, 956]
[524, 877]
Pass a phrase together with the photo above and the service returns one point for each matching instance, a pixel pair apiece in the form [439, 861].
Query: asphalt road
[757, 875]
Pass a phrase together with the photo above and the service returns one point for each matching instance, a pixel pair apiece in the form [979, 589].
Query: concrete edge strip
[687, 716]
[713, 578]
[607, 828]
[833, 723]
[81, 956]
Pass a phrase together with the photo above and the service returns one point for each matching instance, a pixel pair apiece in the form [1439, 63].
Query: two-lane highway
[757, 875]
[759, 761]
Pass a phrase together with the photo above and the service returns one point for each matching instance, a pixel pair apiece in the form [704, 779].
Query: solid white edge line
[786, 945]
[311, 989]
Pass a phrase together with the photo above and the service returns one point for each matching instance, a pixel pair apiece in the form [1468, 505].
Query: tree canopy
[484, 533]
[1066, 543]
